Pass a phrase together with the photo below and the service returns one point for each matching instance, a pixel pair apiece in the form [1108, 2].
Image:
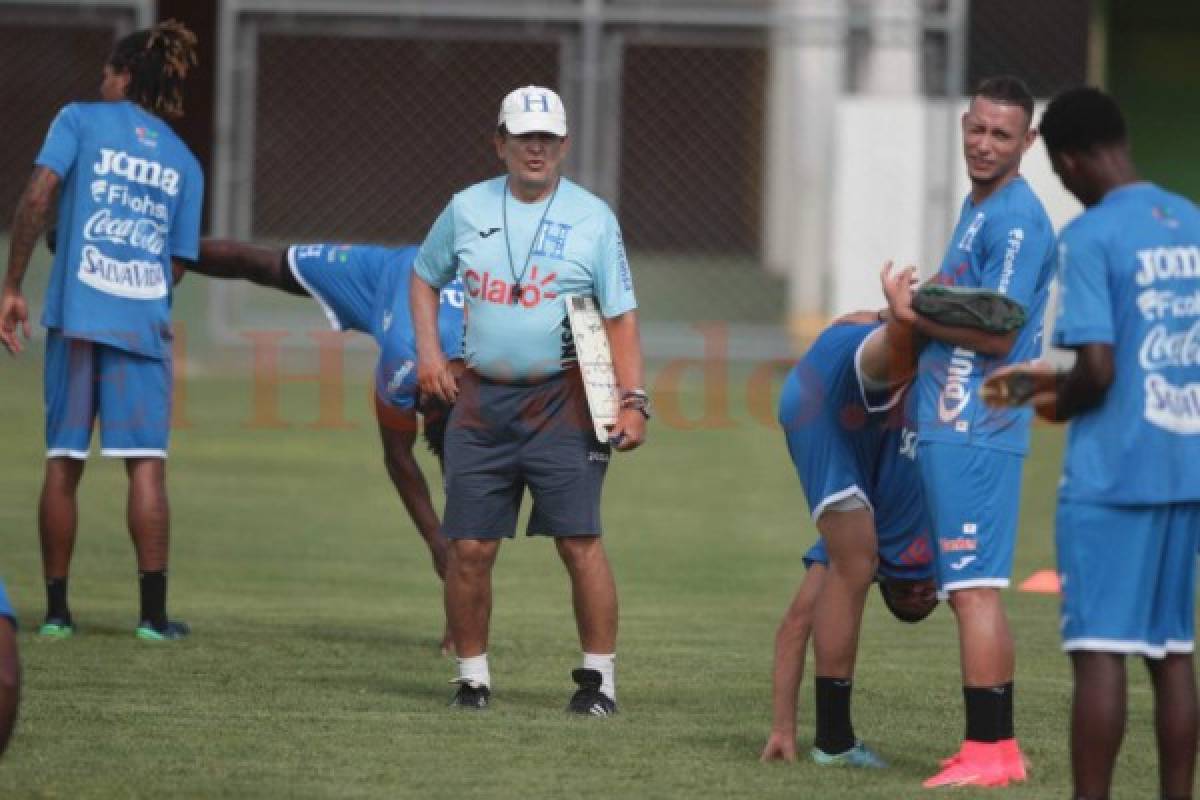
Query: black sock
[56, 599]
[835, 733]
[989, 712]
[153, 589]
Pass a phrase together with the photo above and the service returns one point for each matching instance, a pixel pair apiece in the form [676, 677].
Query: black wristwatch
[636, 399]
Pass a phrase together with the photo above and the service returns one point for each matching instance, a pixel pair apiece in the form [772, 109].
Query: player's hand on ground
[898, 288]
[14, 317]
[629, 431]
[781, 746]
[864, 317]
[436, 378]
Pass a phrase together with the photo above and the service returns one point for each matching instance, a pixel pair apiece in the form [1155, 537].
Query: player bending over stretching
[364, 288]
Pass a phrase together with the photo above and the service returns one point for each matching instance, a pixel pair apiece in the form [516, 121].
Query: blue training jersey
[1129, 272]
[850, 435]
[515, 276]
[131, 200]
[1006, 244]
[364, 288]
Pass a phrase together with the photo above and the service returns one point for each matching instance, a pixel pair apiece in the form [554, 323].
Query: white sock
[475, 670]
[606, 665]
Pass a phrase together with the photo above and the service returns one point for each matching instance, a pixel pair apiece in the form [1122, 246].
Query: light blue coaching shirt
[1006, 244]
[131, 199]
[1129, 272]
[577, 249]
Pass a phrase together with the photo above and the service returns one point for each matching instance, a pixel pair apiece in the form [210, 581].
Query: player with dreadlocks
[129, 196]
[365, 289]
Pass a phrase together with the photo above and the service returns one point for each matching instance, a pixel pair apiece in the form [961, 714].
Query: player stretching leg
[1129, 503]
[129, 212]
[365, 289]
[846, 437]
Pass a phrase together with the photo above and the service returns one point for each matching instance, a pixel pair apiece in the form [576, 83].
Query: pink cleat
[978, 764]
[1018, 764]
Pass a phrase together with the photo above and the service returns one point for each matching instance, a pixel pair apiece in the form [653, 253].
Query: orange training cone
[1044, 581]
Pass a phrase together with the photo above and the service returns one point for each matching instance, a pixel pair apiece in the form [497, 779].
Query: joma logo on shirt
[1167, 263]
[138, 170]
[490, 289]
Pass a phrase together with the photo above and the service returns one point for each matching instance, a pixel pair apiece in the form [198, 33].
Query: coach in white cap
[520, 242]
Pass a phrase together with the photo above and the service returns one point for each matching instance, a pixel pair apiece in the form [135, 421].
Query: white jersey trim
[1129, 646]
[896, 390]
[334, 322]
[837, 497]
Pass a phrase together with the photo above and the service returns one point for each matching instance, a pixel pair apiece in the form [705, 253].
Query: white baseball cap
[533, 109]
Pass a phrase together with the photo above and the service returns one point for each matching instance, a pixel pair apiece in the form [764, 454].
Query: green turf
[312, 671]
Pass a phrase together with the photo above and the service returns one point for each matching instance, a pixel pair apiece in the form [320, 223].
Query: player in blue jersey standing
[519, 243]
[970, 456]
[129, 206]
[843, 415]
[365, 288]
[1128, 518]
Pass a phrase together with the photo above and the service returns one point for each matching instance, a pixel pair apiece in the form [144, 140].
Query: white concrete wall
[890, 159]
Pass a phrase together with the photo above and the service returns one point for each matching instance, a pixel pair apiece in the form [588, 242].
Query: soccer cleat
[1018, 764]
[858, 756]
[977, 764]
[57, 628]
[471, 696]
[588, 700]
[173, 631]
[963, 307]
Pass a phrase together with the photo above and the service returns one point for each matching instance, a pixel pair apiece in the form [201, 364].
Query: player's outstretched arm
[1056, 395]
[232, 260]
[398, 434]
[624, 341]
[10, 681]
[34, 211]
[791, 644]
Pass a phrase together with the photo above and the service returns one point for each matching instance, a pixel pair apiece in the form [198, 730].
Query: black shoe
[471, 696]
[588, 700]
[963, 307]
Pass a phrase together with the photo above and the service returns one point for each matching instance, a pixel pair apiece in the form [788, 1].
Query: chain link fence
[50, 55]
[715, 128]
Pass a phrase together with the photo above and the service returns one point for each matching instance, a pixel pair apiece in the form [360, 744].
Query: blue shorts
[365, 288]
[902, 558]
[1128, 577]
[973, 495]
[130, 393]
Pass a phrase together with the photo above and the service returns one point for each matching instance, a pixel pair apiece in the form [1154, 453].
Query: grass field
[313, 670]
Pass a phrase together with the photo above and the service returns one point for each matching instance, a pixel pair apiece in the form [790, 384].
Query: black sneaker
[962, 307]
[471, 696]
[588, 700]
[174, 631]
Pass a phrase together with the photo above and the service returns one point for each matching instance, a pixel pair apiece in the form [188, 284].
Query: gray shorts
[502, 438]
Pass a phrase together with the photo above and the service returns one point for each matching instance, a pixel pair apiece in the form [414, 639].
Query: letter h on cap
[536, 99]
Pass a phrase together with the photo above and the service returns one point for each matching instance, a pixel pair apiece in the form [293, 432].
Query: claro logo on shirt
[490, 289]
[137, 170]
